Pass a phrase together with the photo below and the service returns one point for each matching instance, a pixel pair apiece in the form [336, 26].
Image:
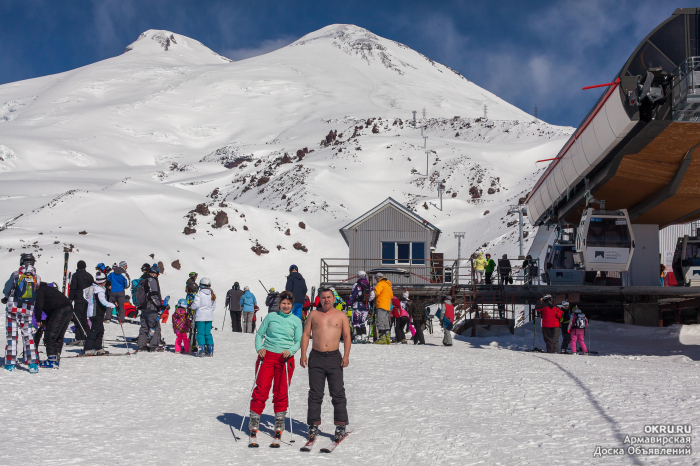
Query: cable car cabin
[561, 267]
[604, 240]
[686, 261]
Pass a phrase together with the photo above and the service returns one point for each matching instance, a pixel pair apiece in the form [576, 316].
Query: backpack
[25, 289]
[139, 295]
[88, 293]
[580, 321]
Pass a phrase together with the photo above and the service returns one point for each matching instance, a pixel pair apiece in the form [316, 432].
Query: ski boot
[49, 363]
[101, 351]
[211, 351]
[200, 352]
[34, 368]
[280, 417]
[313, 432]
[253, 426]
[339, 433]
[9, 367]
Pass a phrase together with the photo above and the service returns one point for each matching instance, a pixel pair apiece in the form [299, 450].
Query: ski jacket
[181, 320]
[572, 324]
[279, 332]
[81, 279]
[565, 318]
[98, 304]
[416, 310]
[395, 307]
[404, 309]
[248, 302]
[273, 301]
[504, 266]
[204, 306]
[490, 266]
[383, 293]
[297, 285]
[119, 280]
[233, 299]
[479, 263]
[359, 296]
[154, 302]
[49, 299]
[550, 315]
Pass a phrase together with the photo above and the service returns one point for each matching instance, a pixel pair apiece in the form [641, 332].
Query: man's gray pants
[383, 320]
[247, 321]
[119, 299]
[149, 332]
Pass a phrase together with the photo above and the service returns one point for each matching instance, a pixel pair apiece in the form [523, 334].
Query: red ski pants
[272, 373]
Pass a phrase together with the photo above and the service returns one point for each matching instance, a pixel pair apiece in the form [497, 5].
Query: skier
[248, 304]
[233, 303]
[19, 296]
[447, 317]
[297, 285]
[59, 312]
[192, 279]
[490, 267]
[564, 326]
[417, 311]
[479, 268]
[81, 279]
[382, 303]
[504, 269]
[192, 289]
[272, 301]
[359, 302]
[550, 321]
[403, 320]
[577, 327]
[205, 304]
[97, 308]
[181, 326]
[119, 281]
[326, 363]
[151, 306]
[276, 342]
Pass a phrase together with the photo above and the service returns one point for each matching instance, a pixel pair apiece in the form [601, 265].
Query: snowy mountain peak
[158, 42]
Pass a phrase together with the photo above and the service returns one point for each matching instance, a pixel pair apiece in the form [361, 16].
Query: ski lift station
[630, 171]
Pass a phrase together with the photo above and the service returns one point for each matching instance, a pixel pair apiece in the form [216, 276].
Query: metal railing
[686, 91]
[422, 272]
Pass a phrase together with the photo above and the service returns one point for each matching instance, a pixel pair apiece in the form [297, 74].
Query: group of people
[563, 321]
[485, 267]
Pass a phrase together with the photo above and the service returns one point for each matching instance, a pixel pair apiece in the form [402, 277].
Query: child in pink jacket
[577, 328]
[181, 326]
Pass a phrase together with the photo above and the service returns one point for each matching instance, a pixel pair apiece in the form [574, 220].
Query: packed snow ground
[476, 402]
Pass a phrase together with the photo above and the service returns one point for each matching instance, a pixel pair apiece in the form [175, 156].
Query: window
[388, 252]
[403, 253]
[608, 233]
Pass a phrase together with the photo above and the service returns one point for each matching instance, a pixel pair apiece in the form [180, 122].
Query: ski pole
[289, 401]
[251, 394]
[81, 325]
[266, 292]
[222, 323]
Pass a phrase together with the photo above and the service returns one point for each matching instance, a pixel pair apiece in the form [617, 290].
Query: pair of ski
[329, 447]
[253, 443]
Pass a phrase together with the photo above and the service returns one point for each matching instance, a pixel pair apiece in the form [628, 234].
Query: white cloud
[266, 46]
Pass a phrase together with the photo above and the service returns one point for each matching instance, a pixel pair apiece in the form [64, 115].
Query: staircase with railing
[686, 91]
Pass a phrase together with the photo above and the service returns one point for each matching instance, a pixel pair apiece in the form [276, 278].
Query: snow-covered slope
[290, 146]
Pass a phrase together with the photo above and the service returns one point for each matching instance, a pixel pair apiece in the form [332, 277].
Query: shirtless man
[325, 362]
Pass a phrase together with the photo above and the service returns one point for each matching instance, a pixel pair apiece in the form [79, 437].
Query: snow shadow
[591, 399]
[267, 425]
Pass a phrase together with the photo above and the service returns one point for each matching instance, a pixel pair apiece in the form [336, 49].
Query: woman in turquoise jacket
[278, 338]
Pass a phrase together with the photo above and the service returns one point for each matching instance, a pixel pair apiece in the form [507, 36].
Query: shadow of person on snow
[267, 425]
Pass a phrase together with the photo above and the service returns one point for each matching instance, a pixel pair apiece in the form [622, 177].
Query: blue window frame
[418, 253]
[388, 252]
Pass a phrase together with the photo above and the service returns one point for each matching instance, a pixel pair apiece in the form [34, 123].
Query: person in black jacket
[504, 269]
[272, 301]
[233, 303]
[58, 312]
[81, 280]
[151, 309]
[297, 285]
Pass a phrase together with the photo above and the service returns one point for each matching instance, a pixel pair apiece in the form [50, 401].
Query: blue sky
[529, 53]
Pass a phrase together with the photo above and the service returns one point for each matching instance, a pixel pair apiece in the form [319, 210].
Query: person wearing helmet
[204, 303]
[20, 296]
[192, 289]
[248, 304]
[359, 299]
[192, 279]
[181, 326]
[550, 322]
[233, 303]
[272, 301]
[151, 308]
[297, 285]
